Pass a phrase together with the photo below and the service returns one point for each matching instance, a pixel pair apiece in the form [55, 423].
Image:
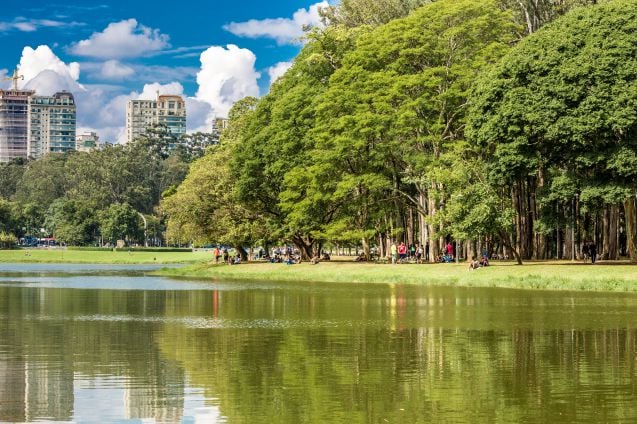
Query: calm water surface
[107, 344]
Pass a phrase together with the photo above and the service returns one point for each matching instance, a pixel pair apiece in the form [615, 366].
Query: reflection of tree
[336, 367]
[330, 354]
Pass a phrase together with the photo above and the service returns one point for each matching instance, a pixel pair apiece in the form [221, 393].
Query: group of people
[222, 255]
[475, 264]
[414, 252]
[589, 250]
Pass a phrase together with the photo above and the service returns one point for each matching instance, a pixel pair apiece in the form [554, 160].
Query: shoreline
[563, 275]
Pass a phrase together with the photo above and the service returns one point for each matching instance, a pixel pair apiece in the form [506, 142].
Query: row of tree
[435, 121]
[98, 197]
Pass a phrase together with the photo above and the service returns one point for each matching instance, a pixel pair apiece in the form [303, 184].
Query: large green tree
[558, 116]
[399, 97]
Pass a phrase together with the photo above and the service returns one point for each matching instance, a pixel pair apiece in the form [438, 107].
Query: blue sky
[211, 52]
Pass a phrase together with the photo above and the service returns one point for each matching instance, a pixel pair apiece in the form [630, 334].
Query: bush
[7, 240]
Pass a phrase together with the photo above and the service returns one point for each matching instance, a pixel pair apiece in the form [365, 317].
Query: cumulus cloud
[34, 61]
[283, 30]
[122, 39]
[226, 75]
[277, 71]
[114, 70]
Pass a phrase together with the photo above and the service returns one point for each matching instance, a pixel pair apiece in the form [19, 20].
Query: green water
[111, 345]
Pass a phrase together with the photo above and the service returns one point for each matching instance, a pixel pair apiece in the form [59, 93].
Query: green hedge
[131, 249]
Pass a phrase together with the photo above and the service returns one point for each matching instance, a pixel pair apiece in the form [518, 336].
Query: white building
[87, 142]
[169, 110]
[51, 124]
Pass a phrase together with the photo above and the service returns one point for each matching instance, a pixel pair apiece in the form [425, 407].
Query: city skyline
[108, 54]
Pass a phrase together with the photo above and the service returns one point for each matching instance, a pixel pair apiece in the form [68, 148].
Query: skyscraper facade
[14, 118]
[51, 124]
[168, 110]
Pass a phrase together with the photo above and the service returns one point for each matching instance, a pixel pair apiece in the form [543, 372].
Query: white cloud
[283, 30]
[226, 75]
[114, 70]
[30, 25]
[122, 39]
[277, 71]
[33, 61]
[150, 90]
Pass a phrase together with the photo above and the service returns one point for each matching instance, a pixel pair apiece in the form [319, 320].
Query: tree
[10, 175]
[120, 222]
[354, 13]
[562, 107]
[204, 208]
[389, 111]
[73, 222]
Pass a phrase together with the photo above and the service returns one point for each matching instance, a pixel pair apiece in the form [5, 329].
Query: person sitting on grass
[484, 261]
[315, 260]
[474, 264]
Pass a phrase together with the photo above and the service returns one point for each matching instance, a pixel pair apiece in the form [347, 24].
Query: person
[427, 251]
[217, 254]
[449, 250]
[394, 253]
[225, 255]
[412, 251]
[419, 253]
[592, 250]
[585, 252]
[474, 264]
[402, 251]
[315, 260]
[484, 261]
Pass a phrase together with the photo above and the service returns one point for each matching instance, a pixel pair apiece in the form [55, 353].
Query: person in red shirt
[402, 252]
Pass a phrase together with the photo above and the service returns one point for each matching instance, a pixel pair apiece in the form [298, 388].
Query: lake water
[109, 344]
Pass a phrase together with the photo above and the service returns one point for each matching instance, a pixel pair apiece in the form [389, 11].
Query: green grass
[100, 257]
[532, 275]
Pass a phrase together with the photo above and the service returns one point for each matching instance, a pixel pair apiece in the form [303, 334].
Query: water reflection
[311, 353]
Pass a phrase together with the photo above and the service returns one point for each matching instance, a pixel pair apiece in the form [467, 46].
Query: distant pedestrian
[449, 250]
[402, 251]
[394, 253]
[226, 255]
[592, 250]
[427, 251]
[217, 254]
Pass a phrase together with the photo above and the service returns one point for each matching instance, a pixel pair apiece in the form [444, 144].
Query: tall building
[87, 142]
[14, 118]
[51, 124]
[169, 110]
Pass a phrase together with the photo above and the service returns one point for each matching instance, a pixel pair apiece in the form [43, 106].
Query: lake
[111, 344]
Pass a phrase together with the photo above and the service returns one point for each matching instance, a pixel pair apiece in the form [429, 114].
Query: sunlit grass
[532, 275]
[100, 257]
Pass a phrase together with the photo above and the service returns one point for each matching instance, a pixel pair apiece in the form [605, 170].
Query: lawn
[563, 275]
[100, 257]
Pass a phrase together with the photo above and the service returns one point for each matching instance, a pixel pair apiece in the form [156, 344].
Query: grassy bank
[537, 275]
[100, 257]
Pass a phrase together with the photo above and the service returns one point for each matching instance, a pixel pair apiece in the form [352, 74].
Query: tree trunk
[434, 249]
[305, 246]
[610, 233]
[630, 213]
[507, 243]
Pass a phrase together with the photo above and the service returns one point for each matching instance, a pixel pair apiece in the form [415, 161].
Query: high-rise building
[14, 118]
[87, 142]
[168, 110]
[51, 124]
